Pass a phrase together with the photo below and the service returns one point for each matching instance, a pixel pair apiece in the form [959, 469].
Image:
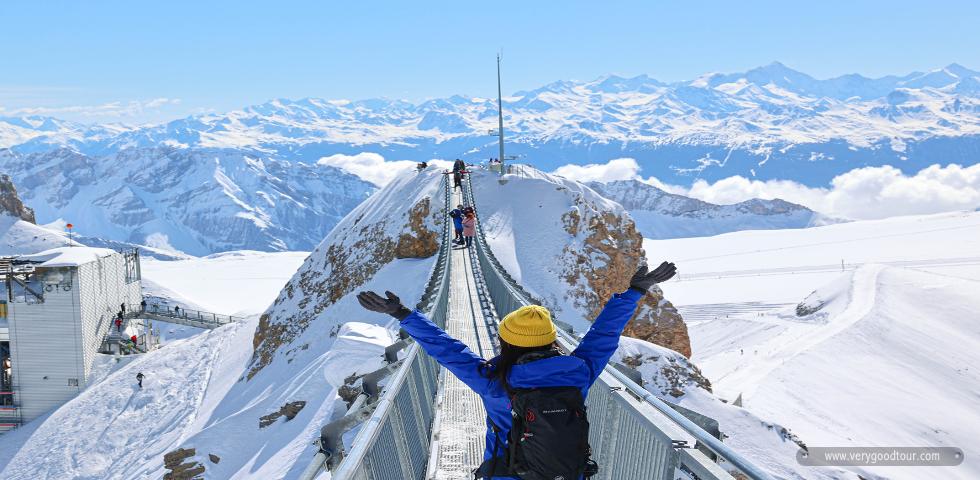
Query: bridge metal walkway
[459, 437]
[427, 425]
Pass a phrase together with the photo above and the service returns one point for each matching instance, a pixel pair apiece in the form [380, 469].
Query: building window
[72, 382]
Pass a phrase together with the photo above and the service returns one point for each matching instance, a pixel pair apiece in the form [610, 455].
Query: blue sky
[119, 60]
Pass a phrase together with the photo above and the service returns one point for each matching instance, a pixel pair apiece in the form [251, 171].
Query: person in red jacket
[119, 323]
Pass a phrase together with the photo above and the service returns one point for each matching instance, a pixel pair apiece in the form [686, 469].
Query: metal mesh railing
[634, 434]
[393, 444]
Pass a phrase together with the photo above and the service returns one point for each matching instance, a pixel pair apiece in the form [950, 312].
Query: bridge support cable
[634, 434]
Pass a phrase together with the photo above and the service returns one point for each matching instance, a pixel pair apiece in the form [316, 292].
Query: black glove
[376, 303]
[642, 280]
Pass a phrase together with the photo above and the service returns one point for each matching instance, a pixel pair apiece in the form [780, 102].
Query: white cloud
[860, 194]
[372, 167]
[618, 169]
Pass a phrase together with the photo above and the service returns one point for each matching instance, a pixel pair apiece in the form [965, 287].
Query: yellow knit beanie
[528, 326]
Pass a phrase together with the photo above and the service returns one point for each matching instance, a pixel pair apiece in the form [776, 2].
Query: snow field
[235, 283]
[888, 359]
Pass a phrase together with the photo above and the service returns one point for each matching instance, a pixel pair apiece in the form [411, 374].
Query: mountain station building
[57, 308]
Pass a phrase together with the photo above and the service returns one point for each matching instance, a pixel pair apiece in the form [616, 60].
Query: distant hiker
[459, 166]
[139, 379]
[133, 339]
[531, 378]
[122, 308]
[142, 305]
[176, 311]
[457, 180]
[457, 216]
[119, 323]
[421, 166]
[469, 228]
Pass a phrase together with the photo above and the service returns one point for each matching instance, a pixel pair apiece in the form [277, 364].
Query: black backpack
[549, 438]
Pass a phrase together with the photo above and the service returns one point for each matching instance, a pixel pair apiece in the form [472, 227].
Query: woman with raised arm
[533, 393]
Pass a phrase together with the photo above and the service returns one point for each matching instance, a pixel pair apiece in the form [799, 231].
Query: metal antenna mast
[500, 117]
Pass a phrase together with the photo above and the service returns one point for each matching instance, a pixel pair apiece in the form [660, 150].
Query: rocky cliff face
[391, 230]
[10, 203]
[572, 249]
[602, 265]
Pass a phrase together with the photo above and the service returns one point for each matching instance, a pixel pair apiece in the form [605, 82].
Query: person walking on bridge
[469, 228]
[533, 393]
[457, 216]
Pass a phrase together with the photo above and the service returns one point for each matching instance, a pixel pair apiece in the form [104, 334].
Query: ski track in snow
[780, 350]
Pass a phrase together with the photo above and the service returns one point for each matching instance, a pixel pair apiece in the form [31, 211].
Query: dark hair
[509, 355]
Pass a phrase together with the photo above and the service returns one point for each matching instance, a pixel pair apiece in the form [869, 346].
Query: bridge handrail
[501, 284]
[396, 436]
[168, 311]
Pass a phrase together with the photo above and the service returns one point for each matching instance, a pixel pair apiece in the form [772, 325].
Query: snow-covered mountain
[768, 122]
[659, 214]
[571, 249]
[203, 396]
[198, 201]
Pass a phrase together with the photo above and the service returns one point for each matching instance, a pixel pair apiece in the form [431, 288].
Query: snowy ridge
[660, 215]
[769, 122]
[18, 237]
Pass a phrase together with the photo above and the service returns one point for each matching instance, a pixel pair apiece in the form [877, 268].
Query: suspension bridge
[426, 424]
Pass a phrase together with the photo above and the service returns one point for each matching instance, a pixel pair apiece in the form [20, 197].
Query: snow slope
[884, 359]
[18, 237]
[782, 266]
[888, 361]
[239, 283]
[206, 392]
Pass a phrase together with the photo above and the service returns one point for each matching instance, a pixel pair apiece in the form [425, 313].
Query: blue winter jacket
[580, 369]
[457, 215]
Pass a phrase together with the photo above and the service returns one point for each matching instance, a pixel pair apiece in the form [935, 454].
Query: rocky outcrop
[314, 289]
[419, 241]
[10, 202]
[612, 252]
[380, 231]
[288, 410]
[663, 371]
[181, 465]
